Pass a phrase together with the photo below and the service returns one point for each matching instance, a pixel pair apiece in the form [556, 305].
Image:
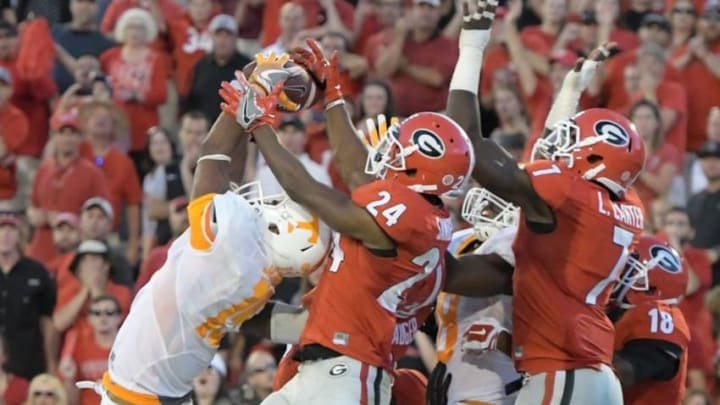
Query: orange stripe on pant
[549, 385]
[364, 371]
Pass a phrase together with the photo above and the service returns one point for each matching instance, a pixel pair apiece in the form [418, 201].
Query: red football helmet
[653, 272]
[428, 152]
[600, 144]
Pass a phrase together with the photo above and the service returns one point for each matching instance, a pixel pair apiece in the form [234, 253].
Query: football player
[393, 232]
[218, 274]
[473, 340]
[578, 222]
[651, 336]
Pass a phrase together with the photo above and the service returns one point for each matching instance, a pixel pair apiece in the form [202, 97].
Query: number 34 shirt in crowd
[362, 292]
[563, 278]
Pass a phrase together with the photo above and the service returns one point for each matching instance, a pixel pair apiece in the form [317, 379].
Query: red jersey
[361, 294]
[563, 279]
[657, 321]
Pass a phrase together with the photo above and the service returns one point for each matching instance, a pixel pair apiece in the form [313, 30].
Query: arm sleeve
[652, 360]
[201, 215]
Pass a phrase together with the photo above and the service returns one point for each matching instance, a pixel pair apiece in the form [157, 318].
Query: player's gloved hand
[482, 336]
[478, 17]
[438, 385]
[325, 73]
[246, 103]
[584, 71]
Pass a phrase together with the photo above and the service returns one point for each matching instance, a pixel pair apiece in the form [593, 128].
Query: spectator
[190, 39]
[698, 182]
[679, 233]
[352, 67]
[63, 183]
[699, 65]
[552, 34]
[85, 353]
[30, 95]
[161, 12]
[120, 176]
[291, 133]
[661, 158]
[655, 29]
[496, 62]
[80, 37]
[511, 113]
[90, 278]
[160, 185]
[683, 18]
[419, 78]
[260, 370]
[28, 297]
[375, 98]
[219, 65]
[321, 16]
[138, 74]
[54, 11]
[292, 22]
[208, 387]
[156, 258]
[194, 126]
[644, 80]
[90, 84]
[388, 12]
[66, 238]
[96, 224]
[13, 133]
[46, 389]
[704, 207]
[636, 13]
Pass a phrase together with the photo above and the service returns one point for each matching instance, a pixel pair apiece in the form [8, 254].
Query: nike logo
[273, 76]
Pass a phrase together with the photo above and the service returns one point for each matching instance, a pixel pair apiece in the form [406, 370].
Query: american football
[300, 87]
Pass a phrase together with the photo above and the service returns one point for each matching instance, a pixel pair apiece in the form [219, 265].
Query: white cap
[223, 22]
[101, 203]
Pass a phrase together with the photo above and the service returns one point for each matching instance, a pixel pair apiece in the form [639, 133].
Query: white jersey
[476, 377]
[212, 281]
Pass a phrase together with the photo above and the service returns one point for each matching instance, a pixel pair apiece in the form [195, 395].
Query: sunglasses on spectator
[49, 394]
[683, 10]
[262, 370]
[94, 312]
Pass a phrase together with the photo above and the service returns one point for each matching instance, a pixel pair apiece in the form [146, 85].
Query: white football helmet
[297, 240]
[487, 212]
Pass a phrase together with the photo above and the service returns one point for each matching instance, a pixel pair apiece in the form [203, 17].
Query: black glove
[438, 385]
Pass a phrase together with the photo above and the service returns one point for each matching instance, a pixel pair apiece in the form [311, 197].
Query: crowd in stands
[97, 154]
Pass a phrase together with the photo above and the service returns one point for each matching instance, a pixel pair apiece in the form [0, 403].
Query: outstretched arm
[349, 153]
[494, 168]
[255, 113]
[222, 157]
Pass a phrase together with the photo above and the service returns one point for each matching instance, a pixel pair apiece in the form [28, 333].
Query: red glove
[325, 72]
[247, 104]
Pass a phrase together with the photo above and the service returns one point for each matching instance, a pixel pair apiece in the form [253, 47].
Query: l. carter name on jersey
[628, 214]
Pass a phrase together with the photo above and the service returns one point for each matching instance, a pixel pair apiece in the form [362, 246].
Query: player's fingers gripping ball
[247, 103]
[300, 90]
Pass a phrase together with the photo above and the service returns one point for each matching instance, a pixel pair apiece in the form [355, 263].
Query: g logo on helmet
[612, 133]
[428, 143]
[666, 259]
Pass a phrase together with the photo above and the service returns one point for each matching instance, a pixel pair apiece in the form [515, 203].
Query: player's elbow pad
[286, 323]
